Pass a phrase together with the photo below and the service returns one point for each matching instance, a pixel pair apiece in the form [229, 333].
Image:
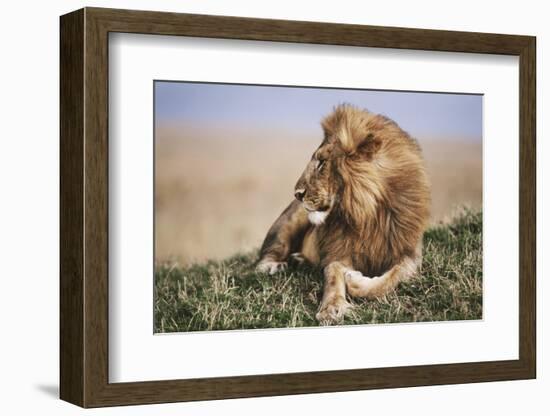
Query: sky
[423, 115]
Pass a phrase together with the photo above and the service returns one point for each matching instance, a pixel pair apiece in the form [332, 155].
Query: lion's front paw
[332, 310]
[270, 266]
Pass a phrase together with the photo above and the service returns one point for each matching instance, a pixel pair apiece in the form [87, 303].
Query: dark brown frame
[84, 209]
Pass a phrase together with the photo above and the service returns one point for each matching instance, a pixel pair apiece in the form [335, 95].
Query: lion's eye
[320, 164]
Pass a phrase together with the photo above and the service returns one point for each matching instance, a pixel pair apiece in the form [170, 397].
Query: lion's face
[317, 188]
[340, 170]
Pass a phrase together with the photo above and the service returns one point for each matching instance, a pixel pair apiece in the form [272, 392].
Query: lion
[360, 211]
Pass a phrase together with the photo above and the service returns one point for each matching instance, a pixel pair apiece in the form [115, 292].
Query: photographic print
[291, 206]
[273, 185]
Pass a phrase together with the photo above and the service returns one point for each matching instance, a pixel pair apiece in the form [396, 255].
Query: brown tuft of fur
[368, 178]
[383, 207]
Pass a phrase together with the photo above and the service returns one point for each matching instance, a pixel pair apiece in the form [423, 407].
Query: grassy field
[229, 294]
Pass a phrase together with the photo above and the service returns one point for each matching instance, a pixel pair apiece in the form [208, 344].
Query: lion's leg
[333, 305]
[361, 286]
[283, 238]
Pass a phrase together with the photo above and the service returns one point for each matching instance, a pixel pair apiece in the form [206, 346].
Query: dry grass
[229, 294]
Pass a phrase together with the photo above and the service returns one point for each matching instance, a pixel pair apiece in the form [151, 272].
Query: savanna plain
[217, 192]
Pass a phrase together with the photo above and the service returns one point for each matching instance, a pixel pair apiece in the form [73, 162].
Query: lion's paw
[359, 285]
[270, 266]
[353, 277]
[333, 311]
[353, 274]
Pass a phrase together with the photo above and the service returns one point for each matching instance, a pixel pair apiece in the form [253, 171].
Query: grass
[229, 294]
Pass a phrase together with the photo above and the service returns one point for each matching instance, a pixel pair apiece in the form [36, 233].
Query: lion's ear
[368, 146]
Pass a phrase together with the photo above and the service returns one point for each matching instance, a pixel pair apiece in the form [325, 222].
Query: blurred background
[227, 157]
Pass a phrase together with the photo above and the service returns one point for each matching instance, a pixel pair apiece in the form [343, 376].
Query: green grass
[229, 294]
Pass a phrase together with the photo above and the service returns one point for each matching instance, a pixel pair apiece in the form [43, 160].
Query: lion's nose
[299, 194]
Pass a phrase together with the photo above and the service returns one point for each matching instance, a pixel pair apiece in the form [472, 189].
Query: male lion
[361, 208]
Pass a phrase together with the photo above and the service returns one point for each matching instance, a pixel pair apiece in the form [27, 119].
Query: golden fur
[362, 207]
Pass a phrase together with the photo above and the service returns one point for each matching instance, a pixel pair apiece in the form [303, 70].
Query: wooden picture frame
[84, 207]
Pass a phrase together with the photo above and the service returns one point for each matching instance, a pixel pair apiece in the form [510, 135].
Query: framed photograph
[254, 207]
